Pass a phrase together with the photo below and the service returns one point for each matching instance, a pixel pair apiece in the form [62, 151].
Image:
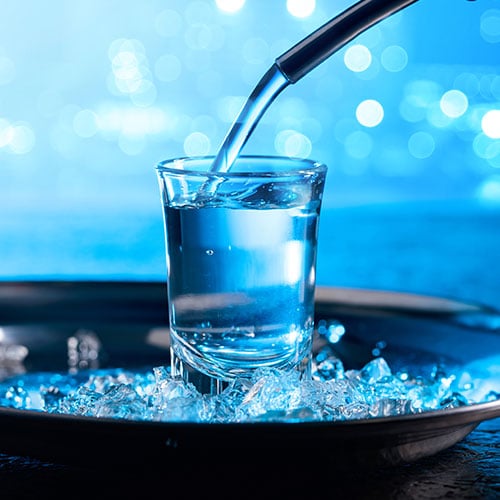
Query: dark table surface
[469, 469]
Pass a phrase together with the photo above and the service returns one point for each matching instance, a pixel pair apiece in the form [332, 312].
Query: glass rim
[297, 166]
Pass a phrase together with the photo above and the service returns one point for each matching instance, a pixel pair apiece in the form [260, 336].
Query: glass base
[206, 384]
[203, 383]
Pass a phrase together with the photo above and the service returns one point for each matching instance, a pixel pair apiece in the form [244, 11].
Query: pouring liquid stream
[270, 85]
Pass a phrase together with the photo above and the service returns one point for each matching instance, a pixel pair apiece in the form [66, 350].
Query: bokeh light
[436, 117]
[130, 71]
[468, 83]
[421, 145]
[484, 147]
[230, 6]
[358, 144]
[300, 8]
[196, 144]
[394, 58]
[292, 143]
[85, 123]
[490, 25]
[495, 87]
[357, 58]
[16, 138]
[489, 190]
[454, 103]
[491, 123]
[22, 139]
[370, 113]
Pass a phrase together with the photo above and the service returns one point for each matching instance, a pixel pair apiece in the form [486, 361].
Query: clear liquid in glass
[241, 285]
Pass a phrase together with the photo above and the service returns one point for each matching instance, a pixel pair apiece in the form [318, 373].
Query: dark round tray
[130, 321]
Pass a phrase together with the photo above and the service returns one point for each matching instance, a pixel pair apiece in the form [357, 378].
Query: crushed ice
[331, 394]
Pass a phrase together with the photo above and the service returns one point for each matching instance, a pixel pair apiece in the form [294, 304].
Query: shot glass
[241, 257]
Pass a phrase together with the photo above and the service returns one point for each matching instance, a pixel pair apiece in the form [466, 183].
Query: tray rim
[460, 416]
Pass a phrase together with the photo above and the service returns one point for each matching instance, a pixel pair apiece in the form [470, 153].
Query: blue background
[93, 94]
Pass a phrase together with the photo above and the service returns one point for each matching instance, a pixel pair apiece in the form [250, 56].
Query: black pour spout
[322, 43]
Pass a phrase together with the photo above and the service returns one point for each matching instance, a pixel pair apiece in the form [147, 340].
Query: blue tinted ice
[331, 394]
